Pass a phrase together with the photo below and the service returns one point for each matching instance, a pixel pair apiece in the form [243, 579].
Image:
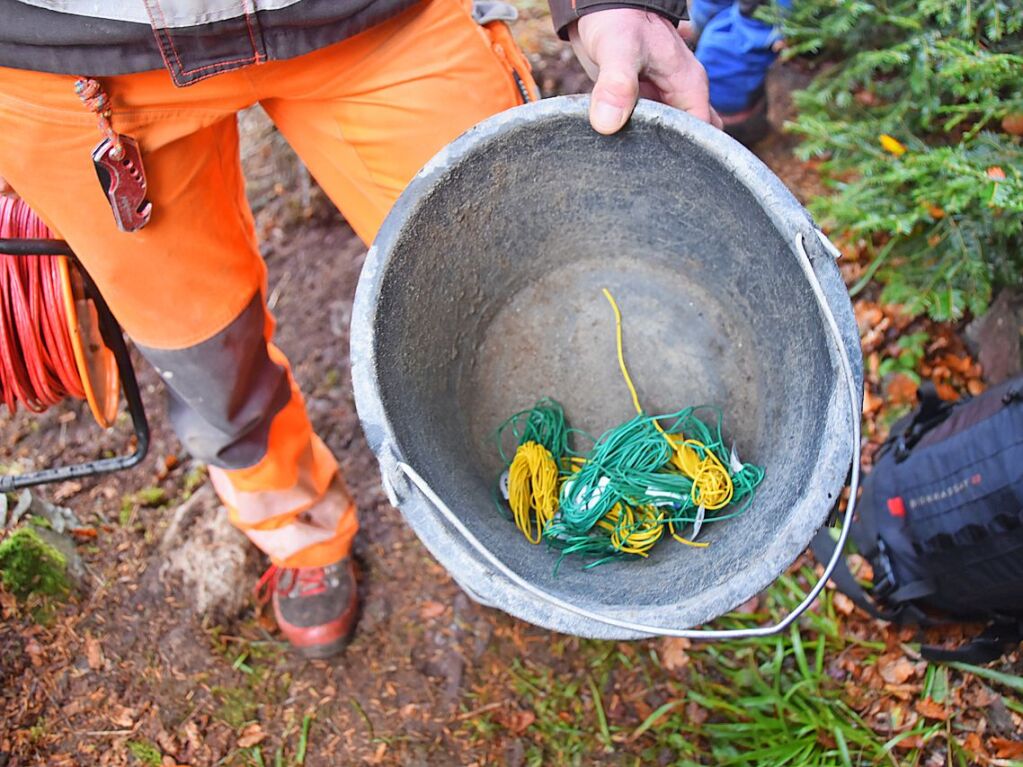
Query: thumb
[615, 93]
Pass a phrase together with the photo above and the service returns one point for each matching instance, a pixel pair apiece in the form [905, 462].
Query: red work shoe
[315, 607]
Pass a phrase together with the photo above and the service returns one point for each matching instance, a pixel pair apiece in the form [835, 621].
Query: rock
[35, 560]
[997, 337]
[515, 753]
[214, 563]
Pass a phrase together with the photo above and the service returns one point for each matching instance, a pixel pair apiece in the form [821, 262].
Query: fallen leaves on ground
[895, 669]
[251, 735]
[673, 653]
[93, 653]
[431, 610]
[931, 709]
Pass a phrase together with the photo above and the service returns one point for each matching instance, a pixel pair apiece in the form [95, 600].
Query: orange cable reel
[51, 345]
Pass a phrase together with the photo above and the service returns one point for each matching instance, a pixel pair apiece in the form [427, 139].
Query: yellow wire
[621, 356]
[533, 480]
[533, 489]
[712, 485]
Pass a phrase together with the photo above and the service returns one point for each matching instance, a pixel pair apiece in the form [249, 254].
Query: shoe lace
[266, 584]
[308, 580]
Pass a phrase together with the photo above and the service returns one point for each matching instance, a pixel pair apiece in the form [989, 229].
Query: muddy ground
[128, 675]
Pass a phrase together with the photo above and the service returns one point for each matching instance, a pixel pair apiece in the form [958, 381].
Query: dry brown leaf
[519, 721]
[166, 741]
[1006, 749]
[192, 735]
[251, 735]
[975, 745]
[430, 610]
[93, 653]
[842, 603]
[901, 389]
[122, 716]
[979, 696]
[35, 652]
[871, 403]
[946, 392]
[913, 741]
[931, 709]
[673, 653]
[960, 363]
[868, 315]
[696, 714]
[65, 490]
[1013, 124]
[895, 670]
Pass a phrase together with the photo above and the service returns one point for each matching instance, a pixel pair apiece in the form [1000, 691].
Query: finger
[647, 90]
[687, 32]
[617, 88]
[681, 80]
[580, 51]
[715, 119]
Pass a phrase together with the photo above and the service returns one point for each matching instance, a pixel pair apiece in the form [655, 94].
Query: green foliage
[29, 565]
[912, 348]
[145, 752]
[765, 702]
[939, 76]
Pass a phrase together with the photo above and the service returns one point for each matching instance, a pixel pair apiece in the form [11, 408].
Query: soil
[128, 665]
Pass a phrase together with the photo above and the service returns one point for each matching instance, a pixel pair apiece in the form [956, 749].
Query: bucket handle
[701, 634]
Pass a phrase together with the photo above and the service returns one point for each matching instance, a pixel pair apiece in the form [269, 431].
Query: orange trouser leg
[188, 288]
[365, 115]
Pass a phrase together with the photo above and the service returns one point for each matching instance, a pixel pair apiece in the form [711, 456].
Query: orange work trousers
[364, 115]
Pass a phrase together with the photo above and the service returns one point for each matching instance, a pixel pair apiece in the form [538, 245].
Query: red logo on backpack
[896, 507]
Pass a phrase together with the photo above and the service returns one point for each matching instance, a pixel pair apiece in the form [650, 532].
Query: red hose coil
[37, 361]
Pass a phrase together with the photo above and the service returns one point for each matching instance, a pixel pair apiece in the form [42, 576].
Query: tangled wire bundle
[638, 480]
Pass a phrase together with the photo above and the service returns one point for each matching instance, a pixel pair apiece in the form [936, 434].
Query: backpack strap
[996, 640]
[931, 411]
[823, 546]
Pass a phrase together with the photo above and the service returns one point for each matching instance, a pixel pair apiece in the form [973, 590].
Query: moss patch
[238, 705]
[145, 752]
[29, 565]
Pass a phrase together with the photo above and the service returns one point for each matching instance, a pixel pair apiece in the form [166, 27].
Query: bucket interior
[491, 299]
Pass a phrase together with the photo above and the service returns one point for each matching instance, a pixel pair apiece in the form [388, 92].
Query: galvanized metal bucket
[482, 293]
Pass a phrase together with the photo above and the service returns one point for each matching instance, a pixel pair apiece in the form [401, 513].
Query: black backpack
[940, 520]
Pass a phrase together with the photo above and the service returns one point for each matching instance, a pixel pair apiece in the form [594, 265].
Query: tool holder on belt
[98, 340]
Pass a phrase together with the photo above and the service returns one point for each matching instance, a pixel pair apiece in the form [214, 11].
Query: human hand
[631, 53]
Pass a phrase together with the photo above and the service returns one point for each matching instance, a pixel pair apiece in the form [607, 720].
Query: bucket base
[556, 337]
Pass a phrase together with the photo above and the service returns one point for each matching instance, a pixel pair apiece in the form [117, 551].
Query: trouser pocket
[494, 17]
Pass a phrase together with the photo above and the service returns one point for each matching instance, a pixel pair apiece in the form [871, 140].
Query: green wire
[629, 465]
[544, 423]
